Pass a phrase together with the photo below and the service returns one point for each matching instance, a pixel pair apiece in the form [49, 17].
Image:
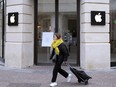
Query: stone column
[95, 46]
[19, 39]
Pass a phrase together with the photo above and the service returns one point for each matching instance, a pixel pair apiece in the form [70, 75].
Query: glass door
[66, 25]
[46, 8]
[70, 36]
[43, 26]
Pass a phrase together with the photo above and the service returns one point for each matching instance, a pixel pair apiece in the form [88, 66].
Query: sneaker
[53, 84]
[69, 77]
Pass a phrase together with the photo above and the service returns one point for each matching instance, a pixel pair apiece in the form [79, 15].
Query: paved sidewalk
[40, 76]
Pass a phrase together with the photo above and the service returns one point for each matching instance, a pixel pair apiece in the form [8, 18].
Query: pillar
[95, 46]
[19, 39]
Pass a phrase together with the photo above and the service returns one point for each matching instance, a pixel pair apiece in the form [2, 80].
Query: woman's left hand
[65, 62]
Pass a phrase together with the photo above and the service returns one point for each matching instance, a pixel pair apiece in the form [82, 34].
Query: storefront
[91, 42]
[57, 16]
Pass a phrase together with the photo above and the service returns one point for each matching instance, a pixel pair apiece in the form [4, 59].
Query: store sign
[13, 19]
[97, 17]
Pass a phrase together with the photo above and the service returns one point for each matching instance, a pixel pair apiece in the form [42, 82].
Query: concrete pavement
[40, 76]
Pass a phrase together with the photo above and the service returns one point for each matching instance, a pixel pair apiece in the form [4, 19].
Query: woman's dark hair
[58, 35]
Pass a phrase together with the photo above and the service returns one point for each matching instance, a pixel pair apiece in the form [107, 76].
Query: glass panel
[46, 8]
[67, 25]
[113, 29]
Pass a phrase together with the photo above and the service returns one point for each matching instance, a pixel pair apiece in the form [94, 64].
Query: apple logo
[12, 19]
[98, 17]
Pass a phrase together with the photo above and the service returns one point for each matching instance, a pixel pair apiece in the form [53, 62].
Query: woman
[61, 52]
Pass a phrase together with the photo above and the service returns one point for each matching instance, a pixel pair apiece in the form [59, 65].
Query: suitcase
[81, 75]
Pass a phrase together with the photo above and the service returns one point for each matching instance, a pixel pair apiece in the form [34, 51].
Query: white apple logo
[98, 17]
[12, 19]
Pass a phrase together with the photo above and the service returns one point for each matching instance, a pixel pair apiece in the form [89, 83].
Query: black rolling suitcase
[81, 75]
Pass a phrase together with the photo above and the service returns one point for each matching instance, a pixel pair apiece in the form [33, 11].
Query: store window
[66, 27]
[44, 25]
[45, 19]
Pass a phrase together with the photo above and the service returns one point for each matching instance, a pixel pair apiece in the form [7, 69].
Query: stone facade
[19, 39]
[95, 46]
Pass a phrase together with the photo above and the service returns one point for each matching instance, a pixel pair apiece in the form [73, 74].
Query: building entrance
[67, 27]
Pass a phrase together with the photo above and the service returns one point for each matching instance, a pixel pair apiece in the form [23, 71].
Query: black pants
[57, 69]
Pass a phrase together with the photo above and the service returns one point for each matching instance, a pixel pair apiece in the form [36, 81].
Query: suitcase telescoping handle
[68, 65]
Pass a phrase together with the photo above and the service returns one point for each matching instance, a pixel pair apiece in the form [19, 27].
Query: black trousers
[57, 69]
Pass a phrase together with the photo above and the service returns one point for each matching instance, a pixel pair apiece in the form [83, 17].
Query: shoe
[69, 77]
[53, 84]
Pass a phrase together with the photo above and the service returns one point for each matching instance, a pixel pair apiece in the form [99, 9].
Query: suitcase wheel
[86, 82]
[79, 81]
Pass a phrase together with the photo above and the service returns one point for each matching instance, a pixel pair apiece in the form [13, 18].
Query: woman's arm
[65, 52]
[53, 53]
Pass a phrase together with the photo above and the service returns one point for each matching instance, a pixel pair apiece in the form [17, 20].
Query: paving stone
[24, 85]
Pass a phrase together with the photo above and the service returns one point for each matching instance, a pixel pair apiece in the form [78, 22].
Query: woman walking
[61, 52]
